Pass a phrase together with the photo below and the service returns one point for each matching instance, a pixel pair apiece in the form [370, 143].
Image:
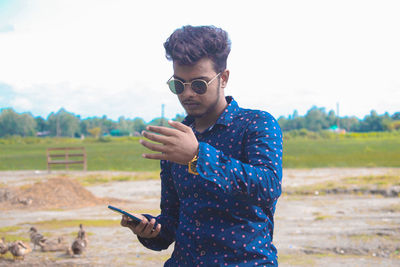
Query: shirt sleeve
[169, 212]
[258, 174]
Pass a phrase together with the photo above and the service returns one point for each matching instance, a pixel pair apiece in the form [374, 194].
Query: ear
[224, 78]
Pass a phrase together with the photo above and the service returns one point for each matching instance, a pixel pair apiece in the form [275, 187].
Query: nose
[187, 90]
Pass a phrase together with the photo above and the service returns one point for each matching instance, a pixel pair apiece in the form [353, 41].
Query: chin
[194, 114]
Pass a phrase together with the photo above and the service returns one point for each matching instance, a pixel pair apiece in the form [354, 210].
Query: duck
[80, 243]
[19, 249]
[3, 247]
[36, 238]
[25, 201]
[53, 245]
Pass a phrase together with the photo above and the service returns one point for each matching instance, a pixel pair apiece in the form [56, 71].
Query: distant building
[336, 129]
[43, 134]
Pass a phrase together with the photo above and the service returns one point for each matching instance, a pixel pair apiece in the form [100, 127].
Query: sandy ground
[318, 230]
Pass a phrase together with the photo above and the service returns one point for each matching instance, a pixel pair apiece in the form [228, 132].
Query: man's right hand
[144, 229]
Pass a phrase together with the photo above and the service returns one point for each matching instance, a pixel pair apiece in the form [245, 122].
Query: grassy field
[118, 154]
[351, 152]
[125, 153]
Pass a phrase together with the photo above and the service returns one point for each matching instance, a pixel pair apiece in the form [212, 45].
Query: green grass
[361, 182]
[58, 224]
[321, 217]
[379, 238]
[124, 154]
[350, 152]
[99, 179]
[7, 229]
[118, 154]
[380, 181]
[298, 260]
[10, 235]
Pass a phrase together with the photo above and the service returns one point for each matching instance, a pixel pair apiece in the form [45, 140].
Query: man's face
[199, 105]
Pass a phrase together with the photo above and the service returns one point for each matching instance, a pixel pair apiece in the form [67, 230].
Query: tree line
[66, 124]
[317, 119]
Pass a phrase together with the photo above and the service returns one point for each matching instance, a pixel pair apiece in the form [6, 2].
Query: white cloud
[22, 103]
[135, 101]
[106, 57]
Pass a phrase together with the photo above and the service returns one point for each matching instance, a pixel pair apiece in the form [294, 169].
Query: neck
[209, 119]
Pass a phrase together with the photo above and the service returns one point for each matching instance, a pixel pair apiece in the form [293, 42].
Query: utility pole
[337, 114]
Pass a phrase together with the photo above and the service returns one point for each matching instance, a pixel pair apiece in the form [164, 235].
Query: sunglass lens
[176, 86]
[200, 87]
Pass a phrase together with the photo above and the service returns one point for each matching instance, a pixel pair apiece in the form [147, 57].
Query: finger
[133, 223]
[162, 130]
[124, 221]
[149, 227]
[155, 231]
[156, 137]
[152, 146]
[179, 126]
[141, 226]
[158, 156]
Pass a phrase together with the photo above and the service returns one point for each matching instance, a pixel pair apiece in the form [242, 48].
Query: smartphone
[135, 219]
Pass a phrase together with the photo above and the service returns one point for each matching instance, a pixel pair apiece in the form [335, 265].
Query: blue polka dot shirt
[225, 215]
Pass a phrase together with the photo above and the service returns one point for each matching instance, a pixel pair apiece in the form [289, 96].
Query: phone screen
[135, 219]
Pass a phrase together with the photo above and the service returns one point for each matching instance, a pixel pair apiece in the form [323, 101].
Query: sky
[106, 57]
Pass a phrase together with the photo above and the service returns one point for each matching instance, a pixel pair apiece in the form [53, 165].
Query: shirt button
[197, 224]
[202, 253]
[196, 195]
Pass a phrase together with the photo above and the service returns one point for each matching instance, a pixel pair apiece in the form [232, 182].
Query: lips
[191, 104]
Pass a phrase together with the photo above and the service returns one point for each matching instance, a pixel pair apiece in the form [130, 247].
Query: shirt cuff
[210, 165]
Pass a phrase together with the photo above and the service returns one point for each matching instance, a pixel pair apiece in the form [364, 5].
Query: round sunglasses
[199, 86]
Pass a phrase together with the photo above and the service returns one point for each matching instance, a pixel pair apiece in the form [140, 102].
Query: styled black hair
[189, 44]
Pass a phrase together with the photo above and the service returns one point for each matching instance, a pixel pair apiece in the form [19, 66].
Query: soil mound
[53, 193]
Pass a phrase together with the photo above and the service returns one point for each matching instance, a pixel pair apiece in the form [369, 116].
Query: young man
[221, 169]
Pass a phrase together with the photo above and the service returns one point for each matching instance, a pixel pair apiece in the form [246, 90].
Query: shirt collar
[225, 118]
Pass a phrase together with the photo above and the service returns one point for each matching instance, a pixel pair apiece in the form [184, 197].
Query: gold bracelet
[192, 165]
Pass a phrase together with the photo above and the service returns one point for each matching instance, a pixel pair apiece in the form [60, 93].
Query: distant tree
[139, 125]
[105, 124]
[396, 116]
[63, 123]
[28, 124]
[179, 117]
[295, 114]
[386, 122]
[394, 125]
[349, 123]
[372, 123]
[123, 124]
[95, 132]
[156, 121]
[8, 122]
[41, 124]
[12, 123]
[316, 119]
[331, 118]
[283, 123]
[293, 122]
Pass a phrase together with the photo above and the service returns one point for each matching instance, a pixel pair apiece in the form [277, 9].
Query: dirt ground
[310, 230]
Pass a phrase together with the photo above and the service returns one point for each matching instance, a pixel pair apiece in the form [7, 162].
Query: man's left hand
[177, 144]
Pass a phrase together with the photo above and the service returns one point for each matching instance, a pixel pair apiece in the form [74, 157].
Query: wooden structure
[66, 156]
